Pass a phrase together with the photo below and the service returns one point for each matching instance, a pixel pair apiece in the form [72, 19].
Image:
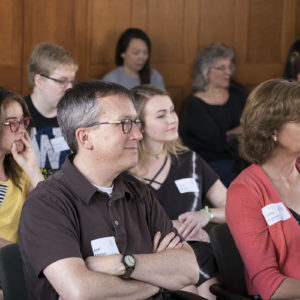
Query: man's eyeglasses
[64, 83]
[223, 68]
[126, 124]
[14, 125]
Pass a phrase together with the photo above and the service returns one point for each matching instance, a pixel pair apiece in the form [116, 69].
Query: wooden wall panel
[264, 31]
[11, 44]
[48, 21]
[260, 32]
[166, 26]
[217, 22]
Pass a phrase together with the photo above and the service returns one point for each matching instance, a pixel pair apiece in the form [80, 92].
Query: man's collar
[83, 189]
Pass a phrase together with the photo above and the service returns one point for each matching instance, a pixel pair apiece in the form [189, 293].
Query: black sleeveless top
[295, 215]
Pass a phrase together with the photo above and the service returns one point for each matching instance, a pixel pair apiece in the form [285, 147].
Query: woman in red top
[263, 203]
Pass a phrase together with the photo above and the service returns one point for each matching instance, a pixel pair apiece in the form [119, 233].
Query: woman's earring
[275, 138]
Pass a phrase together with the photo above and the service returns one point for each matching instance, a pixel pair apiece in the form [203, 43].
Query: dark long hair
[122, 45]
[287, 72]
[12, 170]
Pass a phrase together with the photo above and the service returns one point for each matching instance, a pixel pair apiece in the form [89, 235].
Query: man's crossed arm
[172, 265]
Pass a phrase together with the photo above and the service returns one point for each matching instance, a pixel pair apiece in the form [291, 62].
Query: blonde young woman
[180, 179]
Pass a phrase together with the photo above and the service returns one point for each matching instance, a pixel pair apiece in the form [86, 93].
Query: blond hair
[141, 94]
[45, 58]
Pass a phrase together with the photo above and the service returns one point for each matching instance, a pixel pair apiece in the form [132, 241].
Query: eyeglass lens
[127, 124]
[14, 125]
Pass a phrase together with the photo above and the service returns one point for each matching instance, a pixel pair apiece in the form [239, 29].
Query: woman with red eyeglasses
[19, 172]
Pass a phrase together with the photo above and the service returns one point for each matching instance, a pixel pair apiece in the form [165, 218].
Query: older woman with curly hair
[211, 115]
[263, 202]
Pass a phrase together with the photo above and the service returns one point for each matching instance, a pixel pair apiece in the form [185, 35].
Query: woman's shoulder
[238, 91]
[253, 178]
[113, 74]
[185, 159]
[193, 100]
[156, 78]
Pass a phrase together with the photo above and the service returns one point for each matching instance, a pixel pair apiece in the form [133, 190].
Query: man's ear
[298, 77]
[83, 138]
[37, 79]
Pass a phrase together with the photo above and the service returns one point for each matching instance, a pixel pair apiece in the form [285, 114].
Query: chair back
[11, 273]
[229, 261]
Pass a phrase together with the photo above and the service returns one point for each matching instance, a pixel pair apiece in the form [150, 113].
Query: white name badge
[186, 185]
[59, 144]
[275, 212]
[105, 246]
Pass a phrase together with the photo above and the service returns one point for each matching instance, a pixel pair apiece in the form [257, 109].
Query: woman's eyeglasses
[223, 68]
[14, 125]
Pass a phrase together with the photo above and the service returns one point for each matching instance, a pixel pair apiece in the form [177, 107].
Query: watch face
[130, 261]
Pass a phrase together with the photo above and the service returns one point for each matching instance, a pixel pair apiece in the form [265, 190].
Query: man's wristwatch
[128, 261]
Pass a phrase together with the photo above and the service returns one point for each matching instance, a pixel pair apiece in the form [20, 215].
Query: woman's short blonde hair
[270, 105]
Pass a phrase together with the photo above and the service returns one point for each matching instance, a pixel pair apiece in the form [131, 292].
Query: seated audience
[19, 171]
[51, 70]
[133, 61]
[295, 47]
[180, 179]
[93, 230]
[211, 115]
[263, 202]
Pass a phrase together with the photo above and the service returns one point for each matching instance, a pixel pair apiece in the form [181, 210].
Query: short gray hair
[205, 60]
[79, 106]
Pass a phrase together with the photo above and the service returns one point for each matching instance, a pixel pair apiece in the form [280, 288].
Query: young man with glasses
[51, 71]
[106, 230]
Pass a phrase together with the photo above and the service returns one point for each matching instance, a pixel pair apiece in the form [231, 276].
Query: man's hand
[192, 223]
[170, 241]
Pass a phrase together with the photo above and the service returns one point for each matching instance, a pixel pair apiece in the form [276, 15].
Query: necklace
[156, 155]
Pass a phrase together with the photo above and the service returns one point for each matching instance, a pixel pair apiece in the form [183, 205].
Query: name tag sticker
[105, 246]
[59, 144]
[275, 212]
[186, 185]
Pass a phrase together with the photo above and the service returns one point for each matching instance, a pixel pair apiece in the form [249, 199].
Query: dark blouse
[295, 215]
[203, 126]
[186, 185]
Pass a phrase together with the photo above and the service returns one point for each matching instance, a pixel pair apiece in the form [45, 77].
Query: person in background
[179, 178]
[211, 117]
[133, 60]
[295, 66]
[287, 72]
[97, 230]
[263, 202]
[51, 71]
[19, 171]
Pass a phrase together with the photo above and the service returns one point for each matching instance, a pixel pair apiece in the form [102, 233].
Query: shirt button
[116, 223]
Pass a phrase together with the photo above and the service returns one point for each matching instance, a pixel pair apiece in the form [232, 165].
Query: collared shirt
[66, 212]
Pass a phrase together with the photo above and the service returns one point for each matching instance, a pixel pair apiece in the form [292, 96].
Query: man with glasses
[97, 236]
[51, 71]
